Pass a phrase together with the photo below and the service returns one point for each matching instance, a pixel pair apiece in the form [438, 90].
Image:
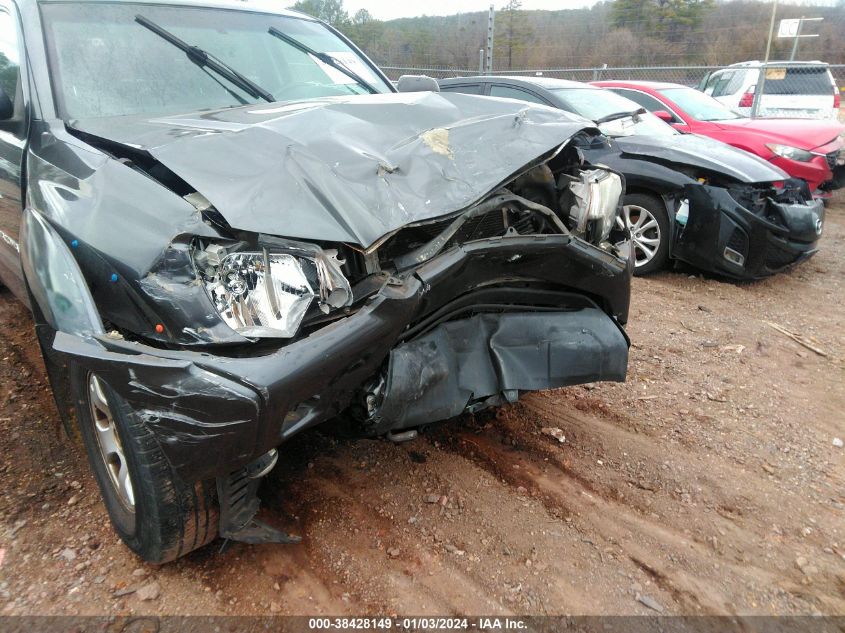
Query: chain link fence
[686, 75]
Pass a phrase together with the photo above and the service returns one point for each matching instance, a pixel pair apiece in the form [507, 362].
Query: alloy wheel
[108, 441]
[645, 232]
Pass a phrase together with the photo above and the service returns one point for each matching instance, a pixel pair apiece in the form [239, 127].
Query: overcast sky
[390, 9]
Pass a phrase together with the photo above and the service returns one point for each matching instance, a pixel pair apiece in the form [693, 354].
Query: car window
[470, 89]
[594, 104]
[698, 105]
[798, 80]
[712, 81]
[647, 101]
[721, 86]
[515, 93]
[10, 56]
[104, 63]
[735, 84]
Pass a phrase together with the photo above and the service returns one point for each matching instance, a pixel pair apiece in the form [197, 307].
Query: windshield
[594, 104]
[105, 63]
[698, 105]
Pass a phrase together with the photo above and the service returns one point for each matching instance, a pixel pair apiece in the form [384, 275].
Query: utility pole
[480, 61]
[490, 19]
[761, 80]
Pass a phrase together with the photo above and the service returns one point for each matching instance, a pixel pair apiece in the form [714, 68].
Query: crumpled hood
[806, 134]
[704, 153]
[347, 169]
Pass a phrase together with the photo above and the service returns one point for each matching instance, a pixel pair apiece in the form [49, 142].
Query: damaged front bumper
[724, 237]
[470, 327]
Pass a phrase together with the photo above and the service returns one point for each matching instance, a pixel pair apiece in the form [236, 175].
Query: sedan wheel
[645, 232]
[646, 218]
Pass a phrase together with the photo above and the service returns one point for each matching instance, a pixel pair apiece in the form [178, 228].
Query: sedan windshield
[698, 105]
[596, 103]
[105, 62]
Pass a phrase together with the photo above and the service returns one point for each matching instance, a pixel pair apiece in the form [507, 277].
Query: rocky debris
[16, 527]
[431, 498]
[68, 554]
[838, 443]
[806, 568]
[150, 591]
[650, 602]
[453, 549]
[140, 572]
[275, 607]
[125, 591]
[393, 552]
[553, 431]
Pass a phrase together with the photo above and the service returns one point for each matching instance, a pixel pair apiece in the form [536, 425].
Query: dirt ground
[709, 483]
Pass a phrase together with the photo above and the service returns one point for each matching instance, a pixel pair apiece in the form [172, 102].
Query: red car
[803, 148]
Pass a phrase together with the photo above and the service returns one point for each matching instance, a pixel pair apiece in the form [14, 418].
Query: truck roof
[253, 6]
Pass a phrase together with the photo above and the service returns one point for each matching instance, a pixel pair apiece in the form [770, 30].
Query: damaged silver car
[230, 228]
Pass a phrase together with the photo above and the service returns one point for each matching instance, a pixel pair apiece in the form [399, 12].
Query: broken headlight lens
[597, 194]
[267, 295]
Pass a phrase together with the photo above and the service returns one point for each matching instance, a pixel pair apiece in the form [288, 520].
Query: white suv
[803, 90]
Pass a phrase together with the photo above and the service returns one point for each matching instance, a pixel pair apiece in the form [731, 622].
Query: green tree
[362, 16]
[365, 31]
[671, 20]
[330, 11]
[513, 31]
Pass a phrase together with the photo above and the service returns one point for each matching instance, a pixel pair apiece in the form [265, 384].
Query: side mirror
[417, 83]
[664, 115]
[7, 108]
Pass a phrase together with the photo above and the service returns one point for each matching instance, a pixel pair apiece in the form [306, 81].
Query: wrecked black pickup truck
[231, 228]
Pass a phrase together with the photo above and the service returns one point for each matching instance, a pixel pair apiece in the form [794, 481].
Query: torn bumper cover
[212, 414]
[489, 358]
[724, 237]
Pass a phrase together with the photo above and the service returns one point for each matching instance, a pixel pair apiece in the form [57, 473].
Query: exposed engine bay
[265, 286]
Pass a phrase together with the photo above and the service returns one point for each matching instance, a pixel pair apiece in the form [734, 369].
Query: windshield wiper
[323, 57]
[620, 115]
[204, 59]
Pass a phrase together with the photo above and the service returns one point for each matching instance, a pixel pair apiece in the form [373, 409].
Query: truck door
[13, 126]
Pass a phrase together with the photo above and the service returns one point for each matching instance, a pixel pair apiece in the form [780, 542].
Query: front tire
[158, 516]
[646, 217]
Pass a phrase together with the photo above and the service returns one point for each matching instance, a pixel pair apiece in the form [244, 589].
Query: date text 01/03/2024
[418, 624]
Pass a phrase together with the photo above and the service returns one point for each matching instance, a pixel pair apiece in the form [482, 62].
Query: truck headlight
[792, 153]
[266, 294]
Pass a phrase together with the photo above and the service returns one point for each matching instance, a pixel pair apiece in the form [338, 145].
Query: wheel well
[648, 192]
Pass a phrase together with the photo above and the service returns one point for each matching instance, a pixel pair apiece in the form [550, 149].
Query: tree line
[616, 33]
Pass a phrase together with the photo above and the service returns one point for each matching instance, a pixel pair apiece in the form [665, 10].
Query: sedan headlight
[792, 153]
[597, 196]
[267, 294]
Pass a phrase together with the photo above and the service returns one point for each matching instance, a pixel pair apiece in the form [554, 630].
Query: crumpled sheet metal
[201, 419]
[702, 153]
[435, 376]
[349, 169]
